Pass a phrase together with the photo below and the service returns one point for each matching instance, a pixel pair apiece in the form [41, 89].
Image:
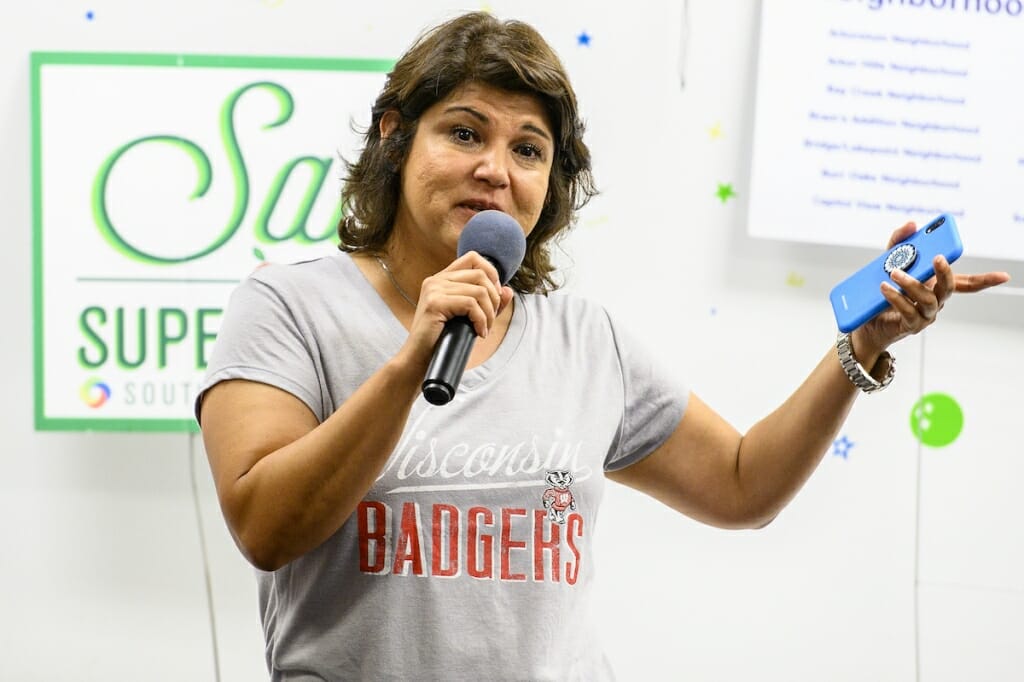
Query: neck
[410, 266]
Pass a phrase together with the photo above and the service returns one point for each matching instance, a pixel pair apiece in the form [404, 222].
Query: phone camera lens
[934, 226]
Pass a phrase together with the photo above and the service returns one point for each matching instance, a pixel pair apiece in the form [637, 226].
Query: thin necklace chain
[394, 282]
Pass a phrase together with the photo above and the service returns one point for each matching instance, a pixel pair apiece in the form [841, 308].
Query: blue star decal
[841, 447]
[583, 38]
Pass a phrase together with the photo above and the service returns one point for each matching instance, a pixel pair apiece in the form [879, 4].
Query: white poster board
[871, 113]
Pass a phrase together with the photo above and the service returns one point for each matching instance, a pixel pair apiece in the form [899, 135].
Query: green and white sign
[159, 183]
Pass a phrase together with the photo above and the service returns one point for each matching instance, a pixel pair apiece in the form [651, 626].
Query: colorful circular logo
[936, 420]
[94, 393]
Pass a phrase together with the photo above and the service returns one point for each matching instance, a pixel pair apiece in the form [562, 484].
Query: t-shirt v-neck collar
[398, 333]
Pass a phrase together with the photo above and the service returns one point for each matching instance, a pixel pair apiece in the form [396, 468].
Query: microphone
[497, 237]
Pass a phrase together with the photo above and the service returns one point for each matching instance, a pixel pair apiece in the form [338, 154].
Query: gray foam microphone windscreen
[496, 236]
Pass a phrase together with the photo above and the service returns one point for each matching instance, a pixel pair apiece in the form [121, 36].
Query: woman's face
[480, 148]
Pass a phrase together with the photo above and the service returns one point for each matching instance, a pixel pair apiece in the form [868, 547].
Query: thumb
[506, 297]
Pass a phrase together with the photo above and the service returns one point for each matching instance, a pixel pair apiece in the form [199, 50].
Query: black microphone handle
[449, 360]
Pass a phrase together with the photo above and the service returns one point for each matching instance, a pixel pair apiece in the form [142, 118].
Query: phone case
[858, 298]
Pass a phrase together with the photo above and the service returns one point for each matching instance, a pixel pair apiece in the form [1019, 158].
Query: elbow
[263, 535]
[262, 545]
[760, 516]
[745, 522]
[754, 508]
[268, 564]
[762, 522]
[748, 517]
[260, 551]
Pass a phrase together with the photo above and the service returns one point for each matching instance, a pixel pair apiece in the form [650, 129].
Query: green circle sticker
[936, 419]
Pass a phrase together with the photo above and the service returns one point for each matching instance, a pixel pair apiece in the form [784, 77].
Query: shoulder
[567, 307]
[570, 319]
[291, 289]
[301, 273]
[326, 277]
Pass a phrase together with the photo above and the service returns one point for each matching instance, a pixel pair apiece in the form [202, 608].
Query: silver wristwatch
[860, 377]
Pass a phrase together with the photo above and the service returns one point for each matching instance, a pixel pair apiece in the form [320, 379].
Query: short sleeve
[653, 402]
[261, 340]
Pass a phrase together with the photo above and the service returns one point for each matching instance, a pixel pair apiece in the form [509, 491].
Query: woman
[399, 540]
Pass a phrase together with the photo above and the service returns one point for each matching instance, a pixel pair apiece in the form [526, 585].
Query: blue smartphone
[858, 298]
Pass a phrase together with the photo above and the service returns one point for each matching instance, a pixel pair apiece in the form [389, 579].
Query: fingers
[468, 287]
[475, 269]
[919, 304]
[913, 315]
[474, 261]
[443, 299]
[969, 284]
[483, 274]
[943, 283]
[915, 304]
[901, 233]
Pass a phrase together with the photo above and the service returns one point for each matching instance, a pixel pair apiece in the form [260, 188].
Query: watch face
[901, 258]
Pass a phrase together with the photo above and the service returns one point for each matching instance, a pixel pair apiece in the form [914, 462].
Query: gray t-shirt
[471, 556]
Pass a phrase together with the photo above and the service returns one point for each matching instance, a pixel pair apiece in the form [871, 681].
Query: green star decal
[725, 192]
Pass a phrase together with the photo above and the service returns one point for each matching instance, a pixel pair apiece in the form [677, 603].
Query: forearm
[779, 453]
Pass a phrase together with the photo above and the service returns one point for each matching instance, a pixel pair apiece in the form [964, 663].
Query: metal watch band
[859, 376]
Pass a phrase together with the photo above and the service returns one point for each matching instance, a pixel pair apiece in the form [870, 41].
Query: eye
[463, 134]
[530, 151]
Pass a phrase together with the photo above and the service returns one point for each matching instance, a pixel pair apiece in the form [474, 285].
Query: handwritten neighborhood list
[867, 119]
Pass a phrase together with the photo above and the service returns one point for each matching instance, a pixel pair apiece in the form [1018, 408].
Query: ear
[389, 123]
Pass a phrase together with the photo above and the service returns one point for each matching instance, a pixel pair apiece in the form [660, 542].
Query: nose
[492, 168]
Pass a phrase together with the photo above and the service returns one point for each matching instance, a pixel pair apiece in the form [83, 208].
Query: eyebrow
[480, 116]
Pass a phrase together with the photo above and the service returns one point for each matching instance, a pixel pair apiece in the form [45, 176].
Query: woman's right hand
[469, 287]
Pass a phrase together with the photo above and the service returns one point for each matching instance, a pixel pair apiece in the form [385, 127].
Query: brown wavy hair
[474, 47]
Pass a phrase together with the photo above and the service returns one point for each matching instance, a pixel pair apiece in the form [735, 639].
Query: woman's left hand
[919, 303]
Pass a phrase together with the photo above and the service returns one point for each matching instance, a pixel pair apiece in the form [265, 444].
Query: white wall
[899, 562]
